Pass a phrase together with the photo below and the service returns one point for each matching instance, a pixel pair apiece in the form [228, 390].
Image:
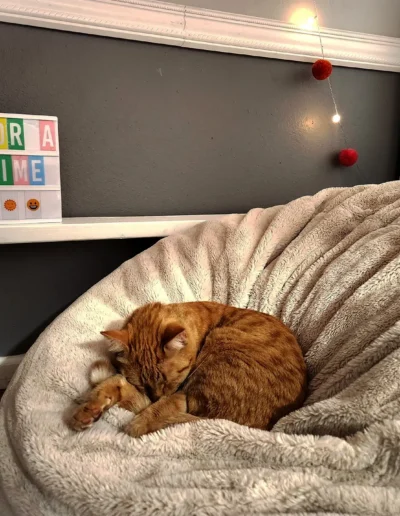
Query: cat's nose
[150, 393]
[154, 396]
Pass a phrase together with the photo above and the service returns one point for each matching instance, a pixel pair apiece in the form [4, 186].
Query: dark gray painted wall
[39, 281]
[150, 129]
[147, 129]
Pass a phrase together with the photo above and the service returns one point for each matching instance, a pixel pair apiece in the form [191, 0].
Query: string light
[309, 25]
[303, 18]
[347, 157]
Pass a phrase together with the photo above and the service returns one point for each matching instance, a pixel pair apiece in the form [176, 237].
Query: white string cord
[329, 79]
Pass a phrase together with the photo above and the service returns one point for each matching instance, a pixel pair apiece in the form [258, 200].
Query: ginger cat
[181, 362]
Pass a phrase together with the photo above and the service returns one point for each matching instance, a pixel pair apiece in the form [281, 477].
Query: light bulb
[303, 18]
[336, 118]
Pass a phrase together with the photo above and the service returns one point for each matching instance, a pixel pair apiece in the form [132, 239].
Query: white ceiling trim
[171, 24]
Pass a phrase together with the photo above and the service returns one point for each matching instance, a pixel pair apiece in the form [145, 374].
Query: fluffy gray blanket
[329, 266]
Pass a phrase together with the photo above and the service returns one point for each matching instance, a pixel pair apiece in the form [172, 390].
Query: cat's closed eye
[183, 369]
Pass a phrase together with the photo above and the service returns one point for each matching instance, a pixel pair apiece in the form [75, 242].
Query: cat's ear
[119, 339]
[175, 339]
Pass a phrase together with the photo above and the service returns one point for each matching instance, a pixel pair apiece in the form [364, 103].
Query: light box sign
[30, 188]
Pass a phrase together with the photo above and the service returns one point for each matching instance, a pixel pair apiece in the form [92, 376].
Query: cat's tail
[100, 371]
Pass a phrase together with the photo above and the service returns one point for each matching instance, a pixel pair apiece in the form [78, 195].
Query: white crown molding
[171, 24]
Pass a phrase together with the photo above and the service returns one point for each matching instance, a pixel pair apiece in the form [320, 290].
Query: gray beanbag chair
[329, 267]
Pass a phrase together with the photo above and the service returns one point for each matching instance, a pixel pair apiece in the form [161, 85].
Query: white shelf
[99, 228]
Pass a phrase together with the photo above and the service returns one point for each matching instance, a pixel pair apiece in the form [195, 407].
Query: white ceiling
[370, 16]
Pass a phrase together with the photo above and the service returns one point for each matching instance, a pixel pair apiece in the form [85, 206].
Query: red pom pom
[321, 69]
[348, 157]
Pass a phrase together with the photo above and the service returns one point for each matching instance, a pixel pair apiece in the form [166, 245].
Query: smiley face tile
[10, 204]
[32, 205]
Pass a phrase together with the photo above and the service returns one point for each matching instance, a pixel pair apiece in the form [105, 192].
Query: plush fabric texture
[329, 267]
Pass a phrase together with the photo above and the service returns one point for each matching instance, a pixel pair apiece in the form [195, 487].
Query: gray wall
[39, 281]
[148, 129]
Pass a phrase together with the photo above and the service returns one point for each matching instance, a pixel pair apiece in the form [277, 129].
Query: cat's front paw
[85, 415]
[137, 427]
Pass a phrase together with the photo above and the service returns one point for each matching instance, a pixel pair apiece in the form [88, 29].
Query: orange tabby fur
[185, 361]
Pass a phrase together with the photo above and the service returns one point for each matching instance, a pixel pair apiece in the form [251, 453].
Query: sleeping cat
[181, 362]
